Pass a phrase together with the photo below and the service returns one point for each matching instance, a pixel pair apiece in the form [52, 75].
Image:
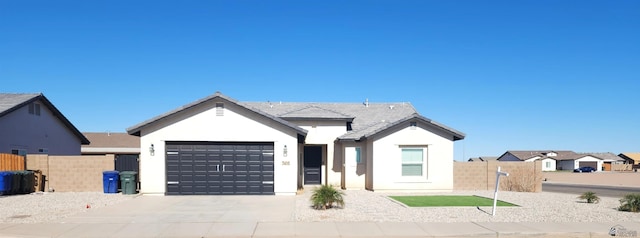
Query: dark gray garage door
[210, 168]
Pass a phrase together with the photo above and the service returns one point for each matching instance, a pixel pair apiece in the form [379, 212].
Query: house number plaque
[285, 162]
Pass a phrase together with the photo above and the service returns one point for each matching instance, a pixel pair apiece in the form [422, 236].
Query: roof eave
[135, 130]
[61, 117]
[457, 135]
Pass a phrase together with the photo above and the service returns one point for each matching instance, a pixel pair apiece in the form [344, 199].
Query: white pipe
[495, 194]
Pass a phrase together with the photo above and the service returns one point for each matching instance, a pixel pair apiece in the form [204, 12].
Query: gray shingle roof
[528, 154]
[12, 101]
[366, 120]
[605, 156]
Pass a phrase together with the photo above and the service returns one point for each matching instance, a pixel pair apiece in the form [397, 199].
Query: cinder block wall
[621, 167]
[482, 175]
[72, 173]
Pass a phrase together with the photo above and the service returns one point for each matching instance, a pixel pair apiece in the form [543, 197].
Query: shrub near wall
[523, 176]
[72, 173]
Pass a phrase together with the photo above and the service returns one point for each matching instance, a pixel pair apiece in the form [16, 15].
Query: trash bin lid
[110, 172]
[128, 173]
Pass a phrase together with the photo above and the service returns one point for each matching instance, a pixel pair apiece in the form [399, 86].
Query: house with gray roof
[553, 160]
[31, 124]
[217, 145]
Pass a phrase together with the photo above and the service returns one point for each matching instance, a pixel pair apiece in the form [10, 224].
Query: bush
[591, 197]
[630, 203]
[325, 196]
[521, 180]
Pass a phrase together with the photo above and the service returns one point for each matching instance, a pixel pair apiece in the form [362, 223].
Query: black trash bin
[128, 181]
[110, 181]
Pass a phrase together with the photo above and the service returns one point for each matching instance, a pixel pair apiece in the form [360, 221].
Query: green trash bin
[128, 182]
[28, 181]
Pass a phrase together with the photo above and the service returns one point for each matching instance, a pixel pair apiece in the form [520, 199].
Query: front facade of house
[30, 124]
[217, 145]
[548, 158]
[582, 161]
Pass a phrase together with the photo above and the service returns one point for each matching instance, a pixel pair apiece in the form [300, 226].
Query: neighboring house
[549, 158]
[218, 145]
[124, 147]
[607, 159]
[483, 159]
[30, 124]
[563, 159]
[631, 158]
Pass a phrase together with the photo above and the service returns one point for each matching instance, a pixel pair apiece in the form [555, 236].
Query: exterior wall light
[152, 150]
[284, 151]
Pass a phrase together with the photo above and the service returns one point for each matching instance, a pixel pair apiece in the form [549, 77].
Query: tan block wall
[72, 173]
[482, 175]
[621, 167]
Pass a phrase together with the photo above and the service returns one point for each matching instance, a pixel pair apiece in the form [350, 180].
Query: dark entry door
[211, 168]
[312, 164]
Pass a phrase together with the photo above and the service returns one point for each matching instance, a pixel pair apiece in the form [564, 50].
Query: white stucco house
[31, 124]
[217, 145]
[553, 160]
[549, 158]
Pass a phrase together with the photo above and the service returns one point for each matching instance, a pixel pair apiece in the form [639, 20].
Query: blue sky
[512, 75]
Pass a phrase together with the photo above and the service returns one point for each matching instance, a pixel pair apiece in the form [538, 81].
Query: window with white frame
[413, 162]
[547, 164]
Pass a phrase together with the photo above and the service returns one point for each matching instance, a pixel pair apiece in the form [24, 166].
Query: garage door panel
[219, 168]
[592, 164]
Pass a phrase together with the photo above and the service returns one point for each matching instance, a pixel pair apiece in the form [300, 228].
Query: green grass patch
[448, 201]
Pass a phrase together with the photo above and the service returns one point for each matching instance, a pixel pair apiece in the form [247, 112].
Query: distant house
[31, 124]
[218, 145]
[607, 159]
[630, 158]
[124, 147]
[563, 159]
[483, 159]
[549, 158]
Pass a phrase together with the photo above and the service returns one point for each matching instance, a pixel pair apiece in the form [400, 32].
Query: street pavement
[273, 216]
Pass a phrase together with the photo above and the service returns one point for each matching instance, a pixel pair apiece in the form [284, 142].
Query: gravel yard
[49, 207]
[360, 206]
[370, 206]
[533, 207]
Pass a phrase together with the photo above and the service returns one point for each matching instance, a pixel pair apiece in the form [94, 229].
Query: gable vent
[219, 109]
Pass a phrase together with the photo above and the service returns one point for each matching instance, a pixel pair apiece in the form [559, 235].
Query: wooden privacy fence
[11, 162]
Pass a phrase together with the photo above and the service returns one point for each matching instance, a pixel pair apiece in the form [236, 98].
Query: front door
[312, 164]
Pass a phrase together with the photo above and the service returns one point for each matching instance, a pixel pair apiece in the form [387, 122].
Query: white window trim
[425, 164]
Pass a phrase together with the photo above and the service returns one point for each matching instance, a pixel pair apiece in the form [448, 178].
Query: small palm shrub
[325, 196]
[630, 203]
[591, 197]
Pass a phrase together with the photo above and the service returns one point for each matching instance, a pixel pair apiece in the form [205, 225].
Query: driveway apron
[193, 209]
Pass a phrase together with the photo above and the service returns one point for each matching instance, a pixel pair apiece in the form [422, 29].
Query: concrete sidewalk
[312, 229]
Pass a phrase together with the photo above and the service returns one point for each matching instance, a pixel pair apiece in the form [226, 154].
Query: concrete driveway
[168, 209]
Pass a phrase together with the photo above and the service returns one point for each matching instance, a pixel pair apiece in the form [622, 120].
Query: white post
[495, 194]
